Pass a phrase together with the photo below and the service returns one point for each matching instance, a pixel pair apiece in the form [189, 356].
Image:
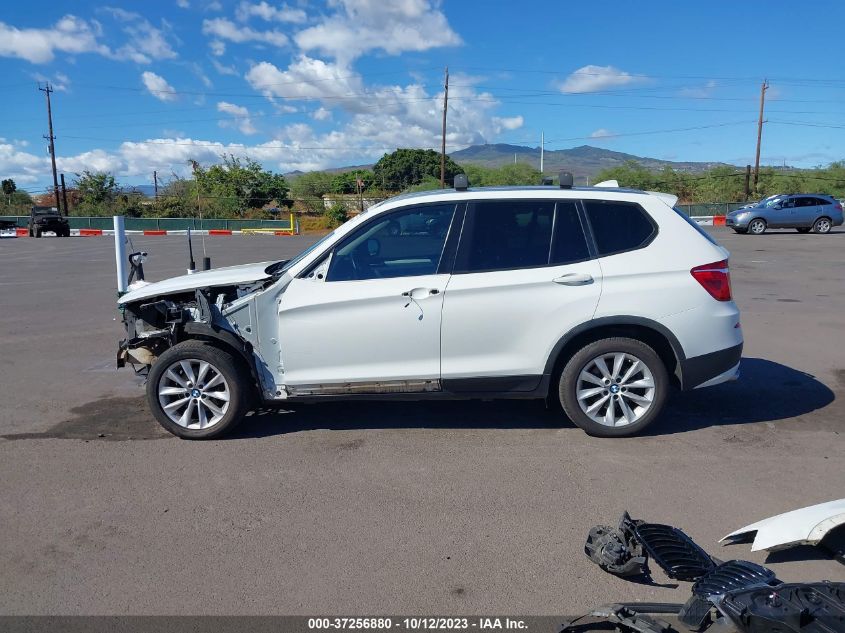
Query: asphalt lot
[449, 508]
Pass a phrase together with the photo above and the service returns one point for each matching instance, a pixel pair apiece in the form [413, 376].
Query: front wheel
[822, 225]
[614, 387]
[757, 226]
[195, 390]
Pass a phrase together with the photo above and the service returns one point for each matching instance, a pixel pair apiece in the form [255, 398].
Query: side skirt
[482, 388]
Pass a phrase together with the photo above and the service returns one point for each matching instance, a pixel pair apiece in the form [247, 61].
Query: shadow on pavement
[766, 392]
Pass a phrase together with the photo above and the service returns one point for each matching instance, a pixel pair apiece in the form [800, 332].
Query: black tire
[822, 225]
[230, 367]
[803, 230]
[31, 233]
[37, 232]
[754, 224]
[569, 377]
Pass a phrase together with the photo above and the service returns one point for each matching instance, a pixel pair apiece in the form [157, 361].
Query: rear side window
[619, 226]
[570, 243]
[505, 234]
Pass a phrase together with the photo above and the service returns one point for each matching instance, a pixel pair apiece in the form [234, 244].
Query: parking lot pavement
[470, 507]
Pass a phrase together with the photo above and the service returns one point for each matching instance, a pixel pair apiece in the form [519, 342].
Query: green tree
[307, 190]
[97, 191]
[9, 187]
[347, 182]
[407, 167]
[237, 185]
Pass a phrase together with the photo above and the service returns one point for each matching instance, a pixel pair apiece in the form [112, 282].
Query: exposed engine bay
[223, 313]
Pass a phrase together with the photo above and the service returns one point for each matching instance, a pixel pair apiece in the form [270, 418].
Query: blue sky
[308, 85]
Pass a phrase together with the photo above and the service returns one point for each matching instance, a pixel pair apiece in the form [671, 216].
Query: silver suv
[806, 212]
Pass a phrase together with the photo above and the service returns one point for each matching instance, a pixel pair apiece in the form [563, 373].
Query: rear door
[805, 211]
[523, 276]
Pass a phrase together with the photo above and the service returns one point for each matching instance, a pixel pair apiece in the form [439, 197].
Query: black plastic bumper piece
[699, 369]
[817, 607]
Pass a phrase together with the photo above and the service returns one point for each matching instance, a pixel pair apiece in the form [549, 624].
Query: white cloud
[223, 69]
[596, 78]
[240, 117]
[508, 123]
[699, 92]
[69, 35]
[158, 86]
[321, 114]
[146, 42]
[360, 26]
[601, 133]
[217, 47]
[267, 12]
[59, 81]
[183, 4]
[306, 78]
[224, 29]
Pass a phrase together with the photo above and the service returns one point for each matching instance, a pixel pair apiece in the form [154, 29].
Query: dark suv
[43, 219]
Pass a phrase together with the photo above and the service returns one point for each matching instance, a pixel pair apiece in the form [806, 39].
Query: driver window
[401, 244]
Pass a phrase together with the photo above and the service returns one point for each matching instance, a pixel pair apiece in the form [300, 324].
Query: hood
[231, 275]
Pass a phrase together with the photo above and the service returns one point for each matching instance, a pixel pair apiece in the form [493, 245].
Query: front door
[366, 319]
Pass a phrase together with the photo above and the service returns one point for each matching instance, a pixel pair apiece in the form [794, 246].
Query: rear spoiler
[668, 198]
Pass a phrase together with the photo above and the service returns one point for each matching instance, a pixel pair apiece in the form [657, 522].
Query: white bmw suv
[601, 298]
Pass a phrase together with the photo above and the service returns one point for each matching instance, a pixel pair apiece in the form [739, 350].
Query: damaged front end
[200, 306]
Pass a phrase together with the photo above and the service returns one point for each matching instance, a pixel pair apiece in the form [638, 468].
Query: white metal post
[542, 150]
[120, 253]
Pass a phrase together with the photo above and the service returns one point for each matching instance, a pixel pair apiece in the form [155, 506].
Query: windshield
[45, 211]
[770, 201]
[304, 253]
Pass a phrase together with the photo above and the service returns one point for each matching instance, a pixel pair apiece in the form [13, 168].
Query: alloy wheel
[193, 393]
[615, 389]
[757, 227]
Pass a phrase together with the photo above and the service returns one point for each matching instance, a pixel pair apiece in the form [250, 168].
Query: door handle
[415, 293]
[574, 279]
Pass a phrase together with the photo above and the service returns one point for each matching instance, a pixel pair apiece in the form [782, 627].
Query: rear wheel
[195, 390]
[37, 232]
[757, 226]
[614, 387]
[803, 230]
[822, 225]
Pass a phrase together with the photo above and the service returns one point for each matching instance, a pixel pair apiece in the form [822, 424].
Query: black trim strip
[700, 369]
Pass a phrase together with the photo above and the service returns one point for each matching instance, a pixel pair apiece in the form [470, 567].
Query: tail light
[715, 278]
[839, 206]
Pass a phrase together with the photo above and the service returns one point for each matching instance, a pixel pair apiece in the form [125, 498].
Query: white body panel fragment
[806, 526]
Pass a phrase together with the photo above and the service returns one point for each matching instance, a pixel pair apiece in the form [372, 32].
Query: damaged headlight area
[154, 325]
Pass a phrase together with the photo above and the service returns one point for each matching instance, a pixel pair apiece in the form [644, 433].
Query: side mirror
[373, 247]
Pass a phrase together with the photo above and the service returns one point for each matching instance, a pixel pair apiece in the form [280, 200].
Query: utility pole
[47, 90]
[155, 183]
[542, 149]
[64, 196]
[747, 179]
[443, 142]
[763, 87]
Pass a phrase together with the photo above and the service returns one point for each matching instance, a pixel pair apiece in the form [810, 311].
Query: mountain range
[584, 161]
